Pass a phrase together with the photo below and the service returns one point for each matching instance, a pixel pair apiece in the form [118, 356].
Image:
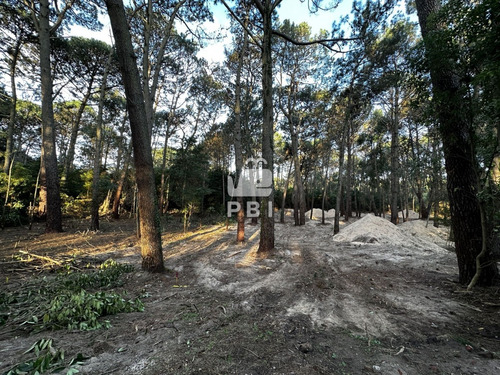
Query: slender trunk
[266, 242]
[94, 210]
[285, 189]
[9, 146]
[238, 150]
[150, 228]
[348, 177]
[49, 177]
[295, 204]
[395, 158]
[163, 173]
[7, 193]
[325, 189]
[336, 225]
[116, 200]
[300, 196]
[33, 204]
[70, 155]
[151, 75]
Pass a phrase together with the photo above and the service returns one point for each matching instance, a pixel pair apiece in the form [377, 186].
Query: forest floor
[353, 305]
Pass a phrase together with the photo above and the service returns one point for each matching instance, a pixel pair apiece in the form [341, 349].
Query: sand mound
[438, 236]
[317, 212]
[376, 230]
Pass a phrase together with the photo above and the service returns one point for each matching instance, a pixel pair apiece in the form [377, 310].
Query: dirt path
[314, 307]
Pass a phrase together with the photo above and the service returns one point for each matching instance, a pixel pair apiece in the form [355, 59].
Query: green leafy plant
[48, 360]
[108, 275]
[82, 310]
[67, 302]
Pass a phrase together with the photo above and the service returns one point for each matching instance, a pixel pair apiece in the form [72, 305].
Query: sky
[294, 10]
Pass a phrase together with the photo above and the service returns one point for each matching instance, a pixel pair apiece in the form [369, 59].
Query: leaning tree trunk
[266, 243]
[49, 174]
[458, 152]
[150, 229]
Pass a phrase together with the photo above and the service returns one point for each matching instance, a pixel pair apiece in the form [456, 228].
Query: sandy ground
[374, 299]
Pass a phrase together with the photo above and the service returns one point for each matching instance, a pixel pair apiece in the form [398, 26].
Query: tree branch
[60, 16]
[276, 4]
[242, 23]
[323, 42]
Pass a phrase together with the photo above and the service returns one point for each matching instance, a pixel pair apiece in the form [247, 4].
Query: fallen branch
[42, 257]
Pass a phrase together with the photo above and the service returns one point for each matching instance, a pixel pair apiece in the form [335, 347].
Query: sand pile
[438, 236]
[376, 230]
[330, 214]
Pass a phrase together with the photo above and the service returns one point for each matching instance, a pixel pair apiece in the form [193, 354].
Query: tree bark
[458, 150]
[49, 174]
[151, 250]
[266, 242]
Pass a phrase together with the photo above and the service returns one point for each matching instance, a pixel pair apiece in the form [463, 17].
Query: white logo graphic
[253, 182]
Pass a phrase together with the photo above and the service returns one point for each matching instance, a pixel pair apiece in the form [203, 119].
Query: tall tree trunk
[150, 228]
[94, 211]
[266, 242]
[458, 152]
[395, 157]
[49, 174]
[238, 149]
